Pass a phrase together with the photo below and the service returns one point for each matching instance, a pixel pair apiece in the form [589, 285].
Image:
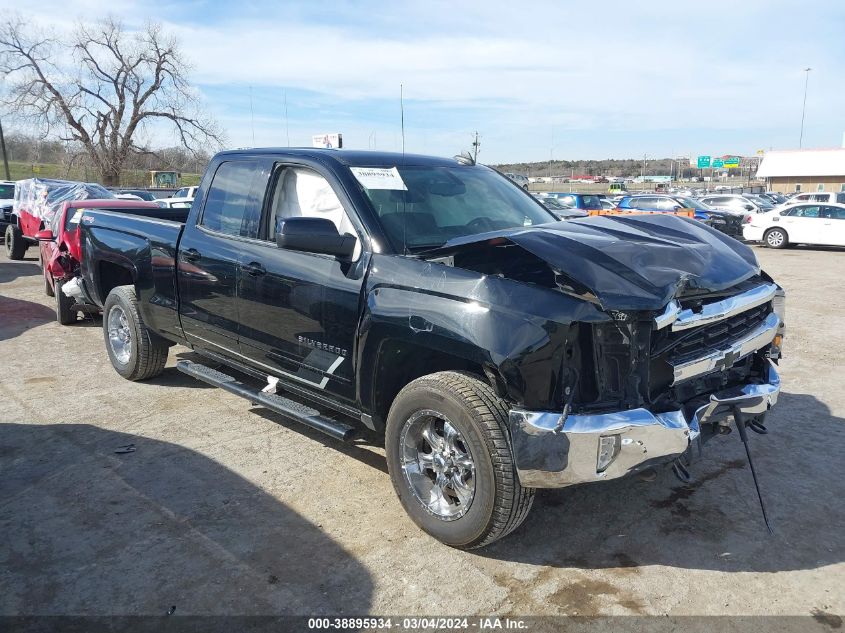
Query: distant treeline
[23, 148]
[629, 167]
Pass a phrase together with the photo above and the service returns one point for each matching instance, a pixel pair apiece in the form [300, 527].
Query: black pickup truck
[432, 300]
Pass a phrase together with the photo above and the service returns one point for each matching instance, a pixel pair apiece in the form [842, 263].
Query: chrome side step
[285, 406]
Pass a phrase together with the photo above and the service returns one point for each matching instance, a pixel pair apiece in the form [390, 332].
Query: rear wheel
[776, 238]
[48, 287]
[136, 353]
[64, 312]
[15, 243]
[450, 460]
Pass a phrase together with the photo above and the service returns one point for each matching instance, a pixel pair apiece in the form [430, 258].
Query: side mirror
[45, 235]
[314, 235]
[749, 207]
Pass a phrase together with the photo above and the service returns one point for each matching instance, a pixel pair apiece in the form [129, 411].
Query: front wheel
[450, 460]
[776, 238]
[135, 352]
[15, 243]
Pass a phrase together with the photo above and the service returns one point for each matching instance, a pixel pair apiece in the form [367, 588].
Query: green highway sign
[732, 161]
[718, 162]
[703, 162]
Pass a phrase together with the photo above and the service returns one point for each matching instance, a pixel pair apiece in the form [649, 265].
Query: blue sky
[535, 79]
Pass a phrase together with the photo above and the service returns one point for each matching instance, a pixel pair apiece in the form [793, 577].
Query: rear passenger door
[207, 269]
[833, 223]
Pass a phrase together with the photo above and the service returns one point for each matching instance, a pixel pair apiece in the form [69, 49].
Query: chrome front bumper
[548, 457]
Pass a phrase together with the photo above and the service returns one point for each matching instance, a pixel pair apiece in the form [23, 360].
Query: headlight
[779, 305]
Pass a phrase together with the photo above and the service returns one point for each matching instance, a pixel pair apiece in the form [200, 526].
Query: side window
[840, 197]
[835, 213]
[181, 193]
[807, 211]
[797, 187]
[820, 187]
[231, 204]
[568, 201]
[302, 192]
[666, 204]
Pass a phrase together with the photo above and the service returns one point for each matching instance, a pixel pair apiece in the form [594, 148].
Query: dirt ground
[224, 508]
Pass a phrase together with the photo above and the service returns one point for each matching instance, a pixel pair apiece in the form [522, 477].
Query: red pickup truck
[60, 254]
[37, 201]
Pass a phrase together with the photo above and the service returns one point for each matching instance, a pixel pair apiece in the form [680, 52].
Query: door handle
[191, 255]
[254, 268]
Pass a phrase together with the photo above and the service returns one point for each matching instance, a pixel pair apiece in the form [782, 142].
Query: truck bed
[114, 243]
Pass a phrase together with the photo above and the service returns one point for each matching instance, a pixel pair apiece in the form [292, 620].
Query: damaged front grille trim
[713, 312]
[758, 338]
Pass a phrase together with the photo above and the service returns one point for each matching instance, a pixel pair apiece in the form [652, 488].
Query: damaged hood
[626, 262]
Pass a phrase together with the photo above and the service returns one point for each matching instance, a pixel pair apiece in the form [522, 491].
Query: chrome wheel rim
[120, 336]
[775, 238]
[437, 465]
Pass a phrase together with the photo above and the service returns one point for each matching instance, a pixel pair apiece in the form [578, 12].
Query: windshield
[762, 202]
[441, 203]
[689, 203]
[593, 203]
[553, 203]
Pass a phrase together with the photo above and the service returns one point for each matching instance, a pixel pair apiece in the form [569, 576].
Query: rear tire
[64, 314]
[15, 243]
[465, 491]
[776, 238]
[135, 352]
[48, 288]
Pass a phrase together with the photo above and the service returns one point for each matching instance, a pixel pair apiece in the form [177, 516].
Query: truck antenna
[402, 116]
[287, 128]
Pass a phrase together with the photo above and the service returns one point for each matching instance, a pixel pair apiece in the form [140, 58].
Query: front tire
[15, 243]
[776, 238]
[450, 461]
[64, 312]
[135, 352]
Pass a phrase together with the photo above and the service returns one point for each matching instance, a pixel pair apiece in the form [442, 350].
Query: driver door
[804, 224]
[299, 311]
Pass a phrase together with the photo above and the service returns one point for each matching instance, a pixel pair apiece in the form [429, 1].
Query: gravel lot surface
[224, 508]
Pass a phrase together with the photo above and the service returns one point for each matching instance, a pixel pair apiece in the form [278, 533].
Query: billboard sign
[327, 141]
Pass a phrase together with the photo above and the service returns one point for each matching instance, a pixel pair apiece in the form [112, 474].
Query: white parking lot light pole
[804, 107]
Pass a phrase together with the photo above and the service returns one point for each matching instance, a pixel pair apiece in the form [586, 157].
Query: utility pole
[5, 155]
[475, 144]
[804, 107]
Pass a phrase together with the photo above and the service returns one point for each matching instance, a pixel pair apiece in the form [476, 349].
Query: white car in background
[519, 179]
[803, 223]
[817, 196]
[737, 203]
[183, 195]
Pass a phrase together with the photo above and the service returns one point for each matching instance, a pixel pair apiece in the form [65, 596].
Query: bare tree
[104, 89]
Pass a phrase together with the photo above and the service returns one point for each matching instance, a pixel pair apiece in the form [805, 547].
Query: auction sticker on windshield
[379, 178]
